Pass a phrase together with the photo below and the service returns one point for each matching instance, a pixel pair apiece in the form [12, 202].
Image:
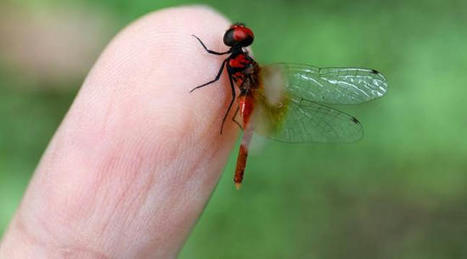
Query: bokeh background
[399, 193]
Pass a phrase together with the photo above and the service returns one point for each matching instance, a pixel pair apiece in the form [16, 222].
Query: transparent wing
[297, 120]
[328, 85]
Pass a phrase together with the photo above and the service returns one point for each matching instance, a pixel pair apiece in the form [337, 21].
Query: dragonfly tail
[242, 156]
[241, 164]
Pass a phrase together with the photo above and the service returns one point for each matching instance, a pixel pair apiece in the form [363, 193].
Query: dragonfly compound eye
[238, 35]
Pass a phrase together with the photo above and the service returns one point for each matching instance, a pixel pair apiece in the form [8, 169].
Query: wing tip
[376, 72]
[355, 120]
[383, 87]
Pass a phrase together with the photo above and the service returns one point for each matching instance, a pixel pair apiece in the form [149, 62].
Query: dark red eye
[242, 33]
[238, 35]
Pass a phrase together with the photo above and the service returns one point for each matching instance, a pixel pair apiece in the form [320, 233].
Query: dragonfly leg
[210, 51]
[215, 79]
[234, 119]
[232, 86]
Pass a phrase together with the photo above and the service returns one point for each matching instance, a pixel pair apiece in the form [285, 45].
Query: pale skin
[131, 167]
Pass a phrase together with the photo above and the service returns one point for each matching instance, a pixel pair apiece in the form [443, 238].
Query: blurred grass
[398, 193]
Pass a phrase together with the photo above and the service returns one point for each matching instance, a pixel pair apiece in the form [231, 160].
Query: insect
[289, 102]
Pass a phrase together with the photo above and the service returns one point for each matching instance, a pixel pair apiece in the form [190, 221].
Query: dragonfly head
[238, 35]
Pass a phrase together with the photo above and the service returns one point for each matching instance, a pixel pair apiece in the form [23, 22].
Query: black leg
[211, 51]
[215, 79]
[234, 119]
[232, 86]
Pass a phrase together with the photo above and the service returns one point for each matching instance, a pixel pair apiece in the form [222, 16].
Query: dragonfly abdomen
[243, 154]
[246, 104]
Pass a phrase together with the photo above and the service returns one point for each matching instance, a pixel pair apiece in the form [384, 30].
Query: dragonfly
[290, 102]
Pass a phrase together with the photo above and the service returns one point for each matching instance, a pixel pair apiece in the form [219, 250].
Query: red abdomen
[246, 104]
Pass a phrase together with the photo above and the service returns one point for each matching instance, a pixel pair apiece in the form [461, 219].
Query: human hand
[136, 158]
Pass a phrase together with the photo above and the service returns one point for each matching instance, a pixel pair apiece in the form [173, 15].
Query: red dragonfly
[288, 102]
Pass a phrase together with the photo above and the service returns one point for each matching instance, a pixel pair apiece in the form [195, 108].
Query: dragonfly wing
[297, 120]
[328, 85]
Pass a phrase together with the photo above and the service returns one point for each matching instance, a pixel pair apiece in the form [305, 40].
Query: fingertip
[136, 142]
[157, 56]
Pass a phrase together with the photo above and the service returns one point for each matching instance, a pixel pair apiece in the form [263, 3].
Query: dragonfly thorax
[240, 61]
[244, 71]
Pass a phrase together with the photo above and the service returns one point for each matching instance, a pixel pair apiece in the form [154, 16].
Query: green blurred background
[398, 193]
